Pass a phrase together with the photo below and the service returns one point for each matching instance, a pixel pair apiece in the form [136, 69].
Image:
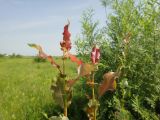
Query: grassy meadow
[25, 88]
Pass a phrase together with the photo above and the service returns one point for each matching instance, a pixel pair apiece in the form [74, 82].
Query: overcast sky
[41, 22]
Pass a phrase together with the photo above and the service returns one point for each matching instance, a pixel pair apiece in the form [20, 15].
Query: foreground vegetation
[130, 40]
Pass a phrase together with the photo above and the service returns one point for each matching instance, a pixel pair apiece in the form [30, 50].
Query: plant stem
[93, 97]
[93, 94]
[63, 64]
[65, 94]
[65, 107]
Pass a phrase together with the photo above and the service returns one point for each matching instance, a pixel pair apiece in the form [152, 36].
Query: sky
[42, 22]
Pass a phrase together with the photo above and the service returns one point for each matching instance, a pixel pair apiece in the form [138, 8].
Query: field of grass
[25, 88]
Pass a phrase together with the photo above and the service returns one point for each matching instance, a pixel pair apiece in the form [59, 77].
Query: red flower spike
[95, 55]
[66, 43]
[66, 34]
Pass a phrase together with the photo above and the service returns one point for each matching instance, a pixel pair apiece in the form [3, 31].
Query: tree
[140, 21]
[90, 35]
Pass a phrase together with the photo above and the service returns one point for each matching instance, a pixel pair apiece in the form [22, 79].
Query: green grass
[25, 88]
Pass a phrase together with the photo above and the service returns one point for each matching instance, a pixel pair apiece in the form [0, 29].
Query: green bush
[39, 60]
[2, 55]
[141, 66]
[13, 55]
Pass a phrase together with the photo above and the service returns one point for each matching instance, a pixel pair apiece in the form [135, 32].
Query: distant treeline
[13, 55]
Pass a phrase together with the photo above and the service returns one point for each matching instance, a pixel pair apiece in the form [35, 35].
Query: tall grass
[25, 88]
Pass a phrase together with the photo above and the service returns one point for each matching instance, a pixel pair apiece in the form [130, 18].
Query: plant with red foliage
[88, 70]
[95, 54]
[62, 87]
[66, 43]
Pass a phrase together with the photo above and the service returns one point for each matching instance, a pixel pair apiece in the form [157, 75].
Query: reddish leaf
[70, 83]
[51, 60]
[73, 58]
[39, 48]
[90, 112]
[95, 54]
[44, 55]
[85, 69]
[108, 83]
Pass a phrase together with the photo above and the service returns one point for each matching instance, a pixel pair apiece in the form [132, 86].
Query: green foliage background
[24, 83]
[141, 65]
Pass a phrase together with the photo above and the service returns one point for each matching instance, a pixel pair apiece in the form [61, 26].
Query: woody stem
[63, 64]
[93, 96]
[93, 93]
[65, 94]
